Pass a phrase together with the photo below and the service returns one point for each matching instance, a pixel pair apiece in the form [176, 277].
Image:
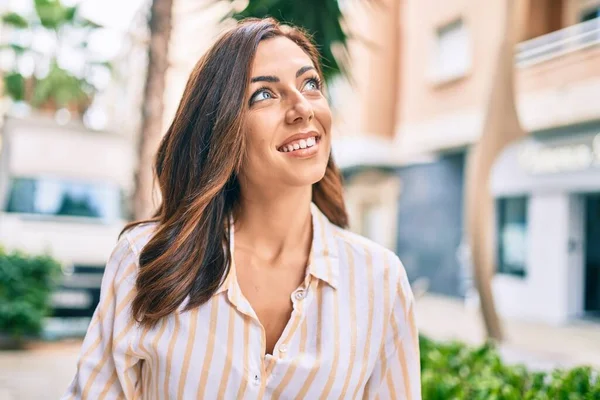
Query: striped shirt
[351, 334]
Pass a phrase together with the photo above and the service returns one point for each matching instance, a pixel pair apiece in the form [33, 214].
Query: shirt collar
[323, 261]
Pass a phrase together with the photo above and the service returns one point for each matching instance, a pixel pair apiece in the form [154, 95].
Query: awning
[566, 159]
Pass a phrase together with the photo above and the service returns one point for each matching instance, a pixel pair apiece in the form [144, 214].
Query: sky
[114, 14]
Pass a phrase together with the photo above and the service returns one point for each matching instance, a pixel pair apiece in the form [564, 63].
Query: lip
[299, 136]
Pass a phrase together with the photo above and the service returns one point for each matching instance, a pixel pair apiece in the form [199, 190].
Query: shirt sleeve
[107, 367]
[397, 372]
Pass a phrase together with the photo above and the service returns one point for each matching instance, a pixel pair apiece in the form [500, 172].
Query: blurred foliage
[456, 371]
[26, 284]
[320, 18]
[51, 86]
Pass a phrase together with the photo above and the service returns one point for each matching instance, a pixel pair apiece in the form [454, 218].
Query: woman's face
[288, 123]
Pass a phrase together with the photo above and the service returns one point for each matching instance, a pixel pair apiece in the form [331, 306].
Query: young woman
[245, 284]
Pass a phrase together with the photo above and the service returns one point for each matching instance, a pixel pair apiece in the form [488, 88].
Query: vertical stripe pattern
[352, 333]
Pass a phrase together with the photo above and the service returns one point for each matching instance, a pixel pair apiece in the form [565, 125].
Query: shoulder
[123, 263]
[368, 254]
[138, 236]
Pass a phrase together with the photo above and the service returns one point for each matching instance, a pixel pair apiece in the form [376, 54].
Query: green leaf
[26, 286]
[18, 49]
[88, 23]
[106, 64]
[14, 86]
[52, 13]
[16, 20]
[69, 14]
[61, 88]
[320, 18]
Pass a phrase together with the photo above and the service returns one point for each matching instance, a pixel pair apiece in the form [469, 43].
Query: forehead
[278, 54]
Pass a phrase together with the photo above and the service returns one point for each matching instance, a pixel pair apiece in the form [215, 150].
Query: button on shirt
[351, 333]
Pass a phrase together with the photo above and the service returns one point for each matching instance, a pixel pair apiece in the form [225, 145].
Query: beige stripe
[172, 342]
[111, 381]
[193, 316]
[229, 356]
[324, 241]
[210, 347]
[133, 241]
[317, 365]
[336, 354]
[401, 358]
[387, 307]
[108, 300]
[143, 366]
[386, 321]
[129, 385]
[353, 333]
[146, 378]
[390, 385]
[294, 364]
[139, 389]
[367, 351]
[157, 360]
[96, 370]
[143, 349]
[244, 384]
[293, 328]
[108, 349]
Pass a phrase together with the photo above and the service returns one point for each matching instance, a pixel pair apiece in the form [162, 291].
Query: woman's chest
[216, 351]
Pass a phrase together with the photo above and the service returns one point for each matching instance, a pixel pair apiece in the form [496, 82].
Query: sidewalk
[41, 372]
[537, 345]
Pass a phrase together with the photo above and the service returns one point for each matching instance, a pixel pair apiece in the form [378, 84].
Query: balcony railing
[557, 43]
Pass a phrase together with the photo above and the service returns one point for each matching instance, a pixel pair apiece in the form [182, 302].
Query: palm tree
[160, 25]
[57, 87]
[501, 127]
[321, 18]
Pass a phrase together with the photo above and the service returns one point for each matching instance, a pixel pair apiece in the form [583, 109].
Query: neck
[273, 224]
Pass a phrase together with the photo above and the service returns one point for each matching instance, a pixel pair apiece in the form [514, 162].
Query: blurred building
[65, 182]
[423, 71]
[62, 193]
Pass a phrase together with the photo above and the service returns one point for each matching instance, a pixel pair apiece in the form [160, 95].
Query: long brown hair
[197, 166]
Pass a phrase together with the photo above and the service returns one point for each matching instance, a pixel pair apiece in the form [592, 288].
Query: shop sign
[538, 159]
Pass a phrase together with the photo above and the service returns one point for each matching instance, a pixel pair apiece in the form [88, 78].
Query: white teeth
[300, 144]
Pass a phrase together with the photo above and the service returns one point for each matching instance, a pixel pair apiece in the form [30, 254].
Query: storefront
[547, 191]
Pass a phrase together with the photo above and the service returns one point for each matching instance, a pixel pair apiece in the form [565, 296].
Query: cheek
[258, 135]
[323, 115]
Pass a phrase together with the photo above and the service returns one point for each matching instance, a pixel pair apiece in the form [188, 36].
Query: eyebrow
[274, 79]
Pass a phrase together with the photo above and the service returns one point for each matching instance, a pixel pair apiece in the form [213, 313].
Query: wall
[365, 104]
[436, 115]
[543, 295]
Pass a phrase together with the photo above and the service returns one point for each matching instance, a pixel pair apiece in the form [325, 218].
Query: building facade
[546, 187]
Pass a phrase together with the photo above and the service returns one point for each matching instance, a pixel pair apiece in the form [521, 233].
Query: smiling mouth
[300, 144]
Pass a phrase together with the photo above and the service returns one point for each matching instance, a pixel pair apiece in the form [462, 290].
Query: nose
[300, 109]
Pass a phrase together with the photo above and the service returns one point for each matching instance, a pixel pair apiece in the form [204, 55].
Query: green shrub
[26, 284]
[454, 370]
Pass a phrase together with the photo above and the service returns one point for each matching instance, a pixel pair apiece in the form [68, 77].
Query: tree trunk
[153, 107]
[501, 127]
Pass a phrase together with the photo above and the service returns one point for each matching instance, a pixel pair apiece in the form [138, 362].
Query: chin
[308, 175]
